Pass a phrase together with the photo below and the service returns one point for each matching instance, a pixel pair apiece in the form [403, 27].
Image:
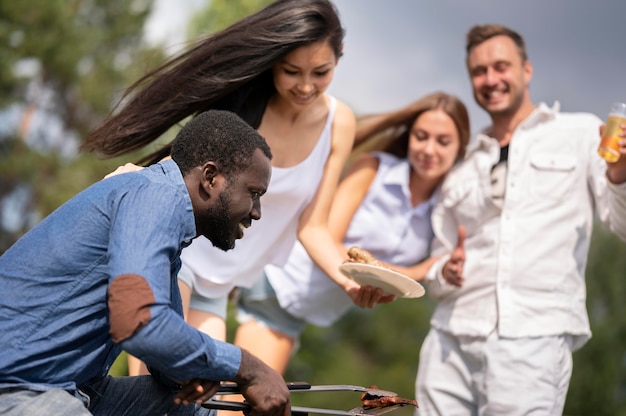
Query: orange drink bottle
[609, 146]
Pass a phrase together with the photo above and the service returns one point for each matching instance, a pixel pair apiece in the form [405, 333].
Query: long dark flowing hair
[228, 70]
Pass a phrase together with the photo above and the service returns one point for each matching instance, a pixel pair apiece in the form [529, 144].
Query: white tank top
[269, 240]
[386, 224]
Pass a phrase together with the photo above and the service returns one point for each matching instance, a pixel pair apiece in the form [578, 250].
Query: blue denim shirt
[55, 281]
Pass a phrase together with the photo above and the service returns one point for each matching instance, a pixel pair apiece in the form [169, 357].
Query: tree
[598, 385]
[64, 66]
[221, 13]
[69, 61]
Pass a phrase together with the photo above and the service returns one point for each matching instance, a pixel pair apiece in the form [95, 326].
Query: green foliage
[120, 366]
[366, 347]
[89, 50]
[598, 385]
[84, 51]
[51, 179]
[78, 55]
[219, 14]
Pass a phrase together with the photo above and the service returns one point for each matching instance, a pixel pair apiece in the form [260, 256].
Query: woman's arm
[376, 123]
[325, 221]
[416, 272]
[350, 194]
[314, 228]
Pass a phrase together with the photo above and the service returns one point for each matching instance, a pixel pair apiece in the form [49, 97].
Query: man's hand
[196, 391]
[262, 387]
[452, 271]
[616, 172]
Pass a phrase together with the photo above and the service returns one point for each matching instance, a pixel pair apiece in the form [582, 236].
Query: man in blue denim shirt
[99, 275]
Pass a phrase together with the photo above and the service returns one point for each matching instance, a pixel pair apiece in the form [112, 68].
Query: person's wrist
[614, 177]
[347, 284]
[246, 368]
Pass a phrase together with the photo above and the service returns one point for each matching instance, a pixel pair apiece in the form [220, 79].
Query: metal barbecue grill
[303, 387]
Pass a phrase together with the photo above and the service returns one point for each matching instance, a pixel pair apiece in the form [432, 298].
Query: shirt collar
[171, 170]
[398, 175]
[540, 114]
[173, 173]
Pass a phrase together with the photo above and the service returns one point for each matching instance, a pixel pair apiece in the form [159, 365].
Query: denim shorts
[216, 306]
[259, 303]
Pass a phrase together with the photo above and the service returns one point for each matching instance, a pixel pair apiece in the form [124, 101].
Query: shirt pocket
[552, 176]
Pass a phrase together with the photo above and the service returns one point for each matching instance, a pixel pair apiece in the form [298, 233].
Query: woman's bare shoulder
[344, 113]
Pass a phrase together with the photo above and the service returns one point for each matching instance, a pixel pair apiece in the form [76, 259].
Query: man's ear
[528, 71]
[208, 176]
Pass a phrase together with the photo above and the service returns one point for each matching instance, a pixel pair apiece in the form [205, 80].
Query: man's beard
[219, 221]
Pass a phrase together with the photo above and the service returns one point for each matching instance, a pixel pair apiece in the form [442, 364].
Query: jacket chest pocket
[552, 176]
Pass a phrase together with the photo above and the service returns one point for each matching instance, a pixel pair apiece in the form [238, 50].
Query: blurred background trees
[64, 65]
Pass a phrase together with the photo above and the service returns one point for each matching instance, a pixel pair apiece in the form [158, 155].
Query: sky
[397, 51]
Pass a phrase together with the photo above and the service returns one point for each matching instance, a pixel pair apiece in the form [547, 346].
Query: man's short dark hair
[218, 136]
[480, 33]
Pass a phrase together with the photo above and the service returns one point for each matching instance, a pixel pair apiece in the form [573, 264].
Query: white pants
[493, 376]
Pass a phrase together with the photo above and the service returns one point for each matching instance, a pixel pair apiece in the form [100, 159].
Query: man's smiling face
[499, 76]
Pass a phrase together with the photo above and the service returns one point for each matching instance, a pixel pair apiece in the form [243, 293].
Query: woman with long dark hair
[271, 68]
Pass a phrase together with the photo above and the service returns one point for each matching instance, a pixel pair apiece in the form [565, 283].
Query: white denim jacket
[525, 262]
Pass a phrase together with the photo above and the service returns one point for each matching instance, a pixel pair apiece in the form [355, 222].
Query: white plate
[391, 282]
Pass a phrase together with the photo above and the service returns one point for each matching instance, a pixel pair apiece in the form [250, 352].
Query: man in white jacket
[513, 227]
